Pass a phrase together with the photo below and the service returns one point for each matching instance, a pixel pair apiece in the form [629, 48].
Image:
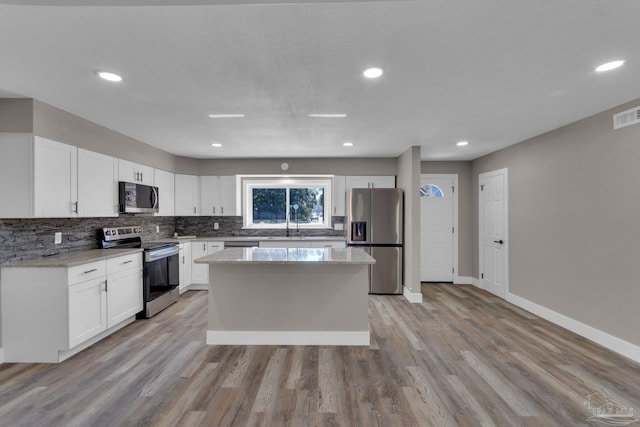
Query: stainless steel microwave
[137, 198]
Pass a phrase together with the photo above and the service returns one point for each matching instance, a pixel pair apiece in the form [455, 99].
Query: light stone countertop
[288, 256]
[73, 259]
[180, 239]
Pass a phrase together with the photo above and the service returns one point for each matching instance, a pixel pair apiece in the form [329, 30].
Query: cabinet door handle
[222, 210]
[214, 210]
[90, 271]
[106, 286]
[183, 259]
[75, 207]
[194, 209]
[127, 262]
[204, 247]
[141, 176]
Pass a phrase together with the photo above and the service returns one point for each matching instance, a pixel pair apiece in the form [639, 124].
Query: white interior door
[436, 229]
[493, 232]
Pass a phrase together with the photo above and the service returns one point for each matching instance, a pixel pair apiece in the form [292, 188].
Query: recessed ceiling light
[216, 144]
[373, 73]
[330, 116]
[610, 66]
[112, 77]
[462, 143]
[348, 144]
[225, 116]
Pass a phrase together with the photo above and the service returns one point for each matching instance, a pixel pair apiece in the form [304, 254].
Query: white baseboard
[463, 280]
[288, 338]
[196, 287]
[611, 342]
[411, 296]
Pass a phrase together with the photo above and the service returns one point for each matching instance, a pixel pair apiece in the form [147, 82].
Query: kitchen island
[288, 296]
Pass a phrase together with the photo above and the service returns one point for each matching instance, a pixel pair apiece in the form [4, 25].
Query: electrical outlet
[216, 226]
[157, 228]
[338, 226]
[57, 238]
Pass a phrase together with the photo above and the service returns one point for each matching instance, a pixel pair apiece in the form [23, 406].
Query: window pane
[269, 205]
[310, 203]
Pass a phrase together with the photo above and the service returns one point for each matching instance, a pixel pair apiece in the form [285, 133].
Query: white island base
[288, 296]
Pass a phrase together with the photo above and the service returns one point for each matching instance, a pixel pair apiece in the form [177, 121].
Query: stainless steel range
[161, 266]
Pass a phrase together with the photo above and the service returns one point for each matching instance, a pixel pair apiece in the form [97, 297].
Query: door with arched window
[436, 228]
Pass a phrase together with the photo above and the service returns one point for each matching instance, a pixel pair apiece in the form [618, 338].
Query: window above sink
[287, 202]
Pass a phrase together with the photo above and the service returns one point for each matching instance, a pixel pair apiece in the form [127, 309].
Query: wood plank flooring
[462, 358]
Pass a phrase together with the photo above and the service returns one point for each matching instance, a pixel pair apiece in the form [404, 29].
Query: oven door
[161, 275]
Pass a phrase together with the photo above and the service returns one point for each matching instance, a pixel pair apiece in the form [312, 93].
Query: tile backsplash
[23, 239]
[232, 226]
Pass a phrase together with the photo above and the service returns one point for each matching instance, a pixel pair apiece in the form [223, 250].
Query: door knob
[499, 241]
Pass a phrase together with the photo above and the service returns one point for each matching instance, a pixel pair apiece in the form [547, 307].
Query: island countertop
[257, 255]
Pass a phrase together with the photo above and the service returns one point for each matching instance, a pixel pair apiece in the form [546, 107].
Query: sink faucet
[287, 225]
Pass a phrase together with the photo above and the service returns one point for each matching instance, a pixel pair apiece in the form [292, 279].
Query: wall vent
[626, 118]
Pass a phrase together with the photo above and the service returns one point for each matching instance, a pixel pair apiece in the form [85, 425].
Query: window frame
[279, 181]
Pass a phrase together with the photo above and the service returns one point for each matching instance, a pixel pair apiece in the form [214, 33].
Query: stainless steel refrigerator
[375, 223]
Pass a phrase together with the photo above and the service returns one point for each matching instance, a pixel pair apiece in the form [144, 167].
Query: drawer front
[90, 271]
[124, 262]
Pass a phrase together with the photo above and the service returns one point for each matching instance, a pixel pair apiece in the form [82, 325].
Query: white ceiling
[493, 72]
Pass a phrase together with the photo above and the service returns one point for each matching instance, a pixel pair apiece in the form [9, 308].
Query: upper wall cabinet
[218, 196]
[49, 179]
[134, 172]
[97, 184]
[187, 198]
[165, 181]
[339, 187]
[55, 179]
[371, 181]
[229, 196]
[210, 195]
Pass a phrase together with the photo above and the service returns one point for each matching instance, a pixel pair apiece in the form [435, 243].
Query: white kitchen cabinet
[49, 179]
[55, 179]
[185, 265]
[218, 196]
[69, 308]
[302, 243]
[200, 272]
[327, 244]
[97, 184]
[124, 288]
[165, 181]
[135, 172]
[381, 181]
[186, 195]
[87, 310]
[339, 188]
[229, 196]
[210, 195]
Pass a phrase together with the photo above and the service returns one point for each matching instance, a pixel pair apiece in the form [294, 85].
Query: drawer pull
[127, 262]
[90, 271]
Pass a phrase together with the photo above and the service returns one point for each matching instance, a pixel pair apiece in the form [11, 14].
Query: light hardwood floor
[463, 357]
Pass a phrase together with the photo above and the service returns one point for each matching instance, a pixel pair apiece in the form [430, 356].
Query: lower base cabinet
[51, 313]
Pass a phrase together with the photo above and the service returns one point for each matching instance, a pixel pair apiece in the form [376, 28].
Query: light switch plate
[57, 238]
[338, 226]
[157, 228]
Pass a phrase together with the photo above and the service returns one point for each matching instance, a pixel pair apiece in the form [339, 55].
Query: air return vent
[626, 118]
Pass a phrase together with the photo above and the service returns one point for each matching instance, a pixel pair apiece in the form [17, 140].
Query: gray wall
[53, 123]
[408, 179]
[337, 166]
[466, 214]
[16, 115]
[574, 221]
